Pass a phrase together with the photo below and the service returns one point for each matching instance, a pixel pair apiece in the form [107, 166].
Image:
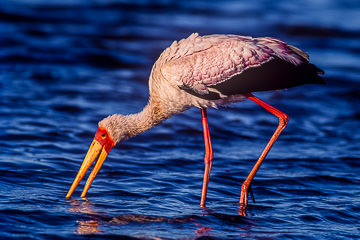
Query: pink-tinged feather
[210, 60]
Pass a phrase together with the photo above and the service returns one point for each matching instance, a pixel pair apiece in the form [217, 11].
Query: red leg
[283, 120]
[208, 156]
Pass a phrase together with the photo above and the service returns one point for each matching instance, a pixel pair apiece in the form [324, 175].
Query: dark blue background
[64, 65]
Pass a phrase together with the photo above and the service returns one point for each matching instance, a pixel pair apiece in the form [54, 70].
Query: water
[64, 65]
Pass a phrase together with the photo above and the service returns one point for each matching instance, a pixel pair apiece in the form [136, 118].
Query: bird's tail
[316, 72]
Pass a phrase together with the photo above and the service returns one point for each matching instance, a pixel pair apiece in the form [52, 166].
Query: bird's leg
[251, 193]
[208, 156]
[283, 120]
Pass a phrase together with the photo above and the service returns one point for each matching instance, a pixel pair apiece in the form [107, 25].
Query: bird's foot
[243, 200]
[245, 189]
[242, 210]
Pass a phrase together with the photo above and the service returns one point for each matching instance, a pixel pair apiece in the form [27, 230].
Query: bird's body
[210, 71]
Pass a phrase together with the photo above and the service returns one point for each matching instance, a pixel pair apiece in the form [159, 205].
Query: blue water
[64, 65]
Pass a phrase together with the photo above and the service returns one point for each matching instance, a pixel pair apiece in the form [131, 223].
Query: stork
[206, 71]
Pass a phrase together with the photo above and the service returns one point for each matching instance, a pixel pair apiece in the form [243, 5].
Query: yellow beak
[97, 150]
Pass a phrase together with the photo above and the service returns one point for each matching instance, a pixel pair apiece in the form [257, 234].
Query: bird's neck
[152, 114]
[123, 127]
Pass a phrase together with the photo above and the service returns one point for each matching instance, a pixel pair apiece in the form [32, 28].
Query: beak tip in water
[68, 195]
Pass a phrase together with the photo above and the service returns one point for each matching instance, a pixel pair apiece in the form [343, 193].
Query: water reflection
[89, 226]
[91, 221]
[244, 224]
[203, 230]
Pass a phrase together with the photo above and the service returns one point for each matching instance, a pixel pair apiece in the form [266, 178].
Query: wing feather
[198, 63]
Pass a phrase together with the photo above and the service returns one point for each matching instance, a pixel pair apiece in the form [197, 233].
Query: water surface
[64, 65]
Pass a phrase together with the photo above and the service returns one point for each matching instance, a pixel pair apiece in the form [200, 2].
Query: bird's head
[111, 131]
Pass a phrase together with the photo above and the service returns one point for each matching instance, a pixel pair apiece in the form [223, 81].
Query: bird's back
[217, 66]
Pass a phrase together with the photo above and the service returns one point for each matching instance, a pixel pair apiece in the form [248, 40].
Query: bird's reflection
[244, 223]
[92, 220]
[87, 227]
[90, 225]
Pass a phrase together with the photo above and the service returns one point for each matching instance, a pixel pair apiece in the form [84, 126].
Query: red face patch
[103, 137]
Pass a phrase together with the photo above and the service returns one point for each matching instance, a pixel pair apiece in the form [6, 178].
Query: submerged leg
[283, 120]
[208, 156]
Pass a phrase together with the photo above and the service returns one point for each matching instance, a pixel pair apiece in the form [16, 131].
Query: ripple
[66, 65]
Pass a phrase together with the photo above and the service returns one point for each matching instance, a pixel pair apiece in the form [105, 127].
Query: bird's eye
[103, 135]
